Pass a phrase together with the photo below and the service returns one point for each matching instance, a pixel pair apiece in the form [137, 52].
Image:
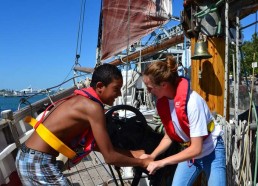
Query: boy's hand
[146, 162]
[144, 156]
[137, 153]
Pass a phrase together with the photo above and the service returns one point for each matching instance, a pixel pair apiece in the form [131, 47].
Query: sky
[38, 40]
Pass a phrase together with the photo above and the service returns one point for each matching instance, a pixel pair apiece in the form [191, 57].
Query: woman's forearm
[162, 147]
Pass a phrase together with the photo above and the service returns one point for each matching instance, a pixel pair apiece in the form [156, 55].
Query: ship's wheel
[128, 130]
[131, 132]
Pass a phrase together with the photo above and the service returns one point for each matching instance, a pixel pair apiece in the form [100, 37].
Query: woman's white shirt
[199, 116]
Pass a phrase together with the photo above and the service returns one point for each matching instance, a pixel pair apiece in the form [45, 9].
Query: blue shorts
[38, 168]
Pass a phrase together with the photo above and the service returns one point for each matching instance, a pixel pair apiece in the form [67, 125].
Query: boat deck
[93, 171]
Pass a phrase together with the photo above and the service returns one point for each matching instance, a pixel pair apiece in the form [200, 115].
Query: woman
[187, 120]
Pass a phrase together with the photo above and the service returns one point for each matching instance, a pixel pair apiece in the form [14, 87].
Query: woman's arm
[187, 154]
[162, 147]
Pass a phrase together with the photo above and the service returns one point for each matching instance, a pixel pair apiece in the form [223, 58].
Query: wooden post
[207, 76]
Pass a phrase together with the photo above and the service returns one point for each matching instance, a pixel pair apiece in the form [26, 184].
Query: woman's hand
[154, 166]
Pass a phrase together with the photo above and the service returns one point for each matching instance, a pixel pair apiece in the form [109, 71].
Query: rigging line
[64, 82]
[127, 51]
[251, 24]
[252, 105]
[99, 34]
[25, 99]
[79, 33]
[79, 37]
[82, 25]
[75, 75]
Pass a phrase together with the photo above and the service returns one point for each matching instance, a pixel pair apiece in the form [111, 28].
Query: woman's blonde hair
[162, 71]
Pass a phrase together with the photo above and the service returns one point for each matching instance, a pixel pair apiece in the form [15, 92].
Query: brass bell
[200, 50]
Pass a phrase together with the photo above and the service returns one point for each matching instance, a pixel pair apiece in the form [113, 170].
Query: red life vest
[180, 104]
[86, 140]
[84, 143]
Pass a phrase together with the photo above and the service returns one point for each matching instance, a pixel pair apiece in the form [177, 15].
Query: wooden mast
[207, 76]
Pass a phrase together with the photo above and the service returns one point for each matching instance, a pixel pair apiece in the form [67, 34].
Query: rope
[25, 101]
[239, 170]
[127, 51]
[251, 107]
[79, 37]
[256, 150]
[80, 30]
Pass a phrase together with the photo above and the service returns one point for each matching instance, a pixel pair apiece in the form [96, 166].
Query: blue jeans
[214, 166]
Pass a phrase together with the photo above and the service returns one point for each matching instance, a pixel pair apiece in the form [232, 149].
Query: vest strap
[50, 138]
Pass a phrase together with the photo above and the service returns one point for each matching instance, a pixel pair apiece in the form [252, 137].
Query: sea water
[13, 103]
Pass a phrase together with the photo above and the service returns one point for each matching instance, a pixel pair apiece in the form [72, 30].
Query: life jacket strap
[210, 128]
[50, 138]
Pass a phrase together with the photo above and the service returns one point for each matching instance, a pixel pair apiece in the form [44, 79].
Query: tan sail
[123, 25]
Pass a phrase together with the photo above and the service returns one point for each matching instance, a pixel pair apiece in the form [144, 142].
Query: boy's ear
[99, 85]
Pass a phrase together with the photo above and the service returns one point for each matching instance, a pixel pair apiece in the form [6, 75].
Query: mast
[207, 76]
[209, 67]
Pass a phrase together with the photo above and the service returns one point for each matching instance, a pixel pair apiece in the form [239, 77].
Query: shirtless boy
[76, 121]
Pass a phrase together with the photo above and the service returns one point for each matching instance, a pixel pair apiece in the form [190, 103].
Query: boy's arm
[97, 122]
[129, 153]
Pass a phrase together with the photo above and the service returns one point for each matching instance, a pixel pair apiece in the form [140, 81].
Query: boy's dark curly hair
[105, 73]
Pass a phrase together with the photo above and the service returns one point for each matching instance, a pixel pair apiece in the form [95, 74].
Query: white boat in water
[13, 94]
[149, 19]
[24, 92]
[30, 92]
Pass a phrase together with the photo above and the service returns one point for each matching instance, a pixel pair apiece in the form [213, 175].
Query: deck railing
[13, 131]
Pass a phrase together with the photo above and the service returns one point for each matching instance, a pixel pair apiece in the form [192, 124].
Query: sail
[124, 25]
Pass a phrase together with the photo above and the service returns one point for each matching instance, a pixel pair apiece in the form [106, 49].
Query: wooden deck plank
[92, 166]
[104, 170]
[92, 171]
[74, 176]
[96, 178]
[101, 167]
[84, 175]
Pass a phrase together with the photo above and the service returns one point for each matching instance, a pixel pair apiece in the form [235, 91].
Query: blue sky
[38, 40]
